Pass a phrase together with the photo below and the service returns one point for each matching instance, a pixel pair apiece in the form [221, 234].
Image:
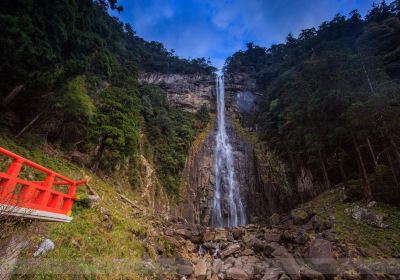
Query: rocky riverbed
[299, 245]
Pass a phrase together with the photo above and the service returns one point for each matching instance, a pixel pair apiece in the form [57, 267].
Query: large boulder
[299, 216]
[200, 270]
[237, 274]
[185, 270]
[364, 215]
[233, 248]
[272, 274]
[288, 262]
[320, 256]
[310, 274]
[272, 237]
[275, 219]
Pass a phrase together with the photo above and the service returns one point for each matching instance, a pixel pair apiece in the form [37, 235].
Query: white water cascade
[228, 208]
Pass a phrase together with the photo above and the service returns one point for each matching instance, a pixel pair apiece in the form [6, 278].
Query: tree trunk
[371, 150]
[12, 95]
[393, 144]
[326, 177]
[98, 154]
[389, 159]
[28, 125]
[363, 171]
[343, 173]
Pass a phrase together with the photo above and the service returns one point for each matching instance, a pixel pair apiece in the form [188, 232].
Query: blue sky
[218, 28]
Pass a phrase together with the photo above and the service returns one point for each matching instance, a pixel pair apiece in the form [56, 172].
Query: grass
[373, 241]
[88, 242]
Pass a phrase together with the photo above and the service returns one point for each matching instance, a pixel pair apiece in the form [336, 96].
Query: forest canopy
[331, 99]
[69, 74]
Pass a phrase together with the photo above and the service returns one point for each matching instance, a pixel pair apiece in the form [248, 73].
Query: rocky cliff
[189, 92]
[257, 191]
[261, 177]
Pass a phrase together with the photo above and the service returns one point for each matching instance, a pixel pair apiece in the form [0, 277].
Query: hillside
[328, 104]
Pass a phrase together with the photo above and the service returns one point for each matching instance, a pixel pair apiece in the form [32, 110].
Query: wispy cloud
[217, 28]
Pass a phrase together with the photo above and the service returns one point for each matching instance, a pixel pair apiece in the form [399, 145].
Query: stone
[272, 274]
[284, 277]
[351, 275]
[301, 238]
[237, 274]
[272, 237]
[247, 252]
[310, 274]
[217, 265]
[320, 256]
[288, 262]
[275, 219]
[208, 236]
[371, 204]
[185, 270]
[220, 235]
[233, 248]
[237, 233]
[200, 270]
[364, 215]
[299, 216]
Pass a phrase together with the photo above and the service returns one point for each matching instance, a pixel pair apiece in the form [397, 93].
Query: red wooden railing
[36, 195]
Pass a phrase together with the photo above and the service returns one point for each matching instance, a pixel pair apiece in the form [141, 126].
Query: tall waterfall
[228, 208]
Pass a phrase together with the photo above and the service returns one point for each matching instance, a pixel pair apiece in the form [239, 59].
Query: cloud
[218, 28]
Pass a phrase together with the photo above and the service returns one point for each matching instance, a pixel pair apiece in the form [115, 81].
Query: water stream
[228, 208]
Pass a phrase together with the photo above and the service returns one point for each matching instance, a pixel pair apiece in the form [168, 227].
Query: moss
[244, 133]
[376, 241]
[86, 240]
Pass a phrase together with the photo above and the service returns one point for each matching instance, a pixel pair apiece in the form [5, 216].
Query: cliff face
[261, 177]
[189, 92]
[199, 179]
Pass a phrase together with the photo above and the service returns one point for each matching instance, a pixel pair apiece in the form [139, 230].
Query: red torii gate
[35, 199]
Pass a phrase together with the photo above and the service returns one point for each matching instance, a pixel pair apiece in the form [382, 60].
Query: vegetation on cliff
[68, 74]
[330, 100]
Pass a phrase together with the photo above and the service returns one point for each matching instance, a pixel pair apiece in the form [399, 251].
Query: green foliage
[75, 102]
[77, 67]
[170, 132]
[116, 127]
[329, 92]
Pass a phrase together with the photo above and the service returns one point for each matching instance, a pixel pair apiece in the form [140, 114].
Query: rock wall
[198, 179]
[189, 92]
[262, 194]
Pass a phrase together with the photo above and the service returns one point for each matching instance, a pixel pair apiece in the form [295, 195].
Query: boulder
[299, 216]
[272, 274]
[185, 270]
[236, 274]
[320, 256]
[301, 238]
[217, 265]
[364, 215]
[208, 236]
[200, 270]
[288, 262]
[220, 235]
[233, 248]
[272, 237]
[284, 277]
[310, 274]
[275, 219]
[247, 252]
[237, 233]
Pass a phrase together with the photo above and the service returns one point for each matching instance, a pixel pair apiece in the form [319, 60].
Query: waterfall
[228, 208]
